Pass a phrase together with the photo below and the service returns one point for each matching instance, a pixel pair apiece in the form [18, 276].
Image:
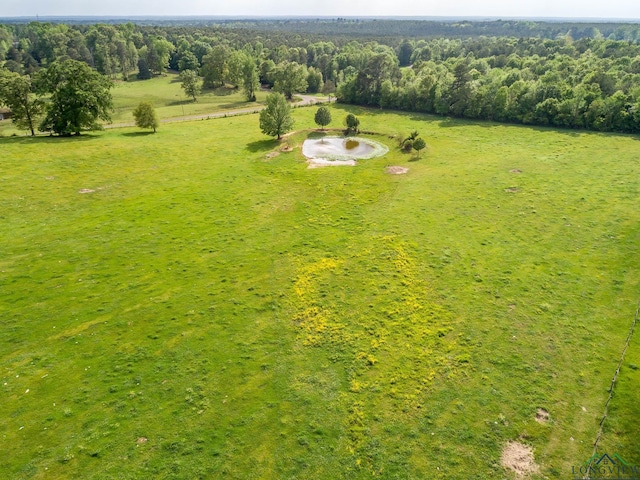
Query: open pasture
[191, 304]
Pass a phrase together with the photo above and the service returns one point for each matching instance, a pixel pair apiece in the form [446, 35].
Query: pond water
[336, 148]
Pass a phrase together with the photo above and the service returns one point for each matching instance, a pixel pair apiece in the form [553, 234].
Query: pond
[340, 151]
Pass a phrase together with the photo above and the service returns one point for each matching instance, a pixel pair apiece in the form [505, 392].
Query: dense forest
[544, 73]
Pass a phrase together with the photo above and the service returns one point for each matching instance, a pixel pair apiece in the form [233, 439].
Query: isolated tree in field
[275, 119]
[146, 116]
[419, 144]
[16, 92]
[78, 97]
[352, 122]
[323, 117]
[190, 83]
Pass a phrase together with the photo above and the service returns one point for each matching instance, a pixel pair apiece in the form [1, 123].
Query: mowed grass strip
[179, 305]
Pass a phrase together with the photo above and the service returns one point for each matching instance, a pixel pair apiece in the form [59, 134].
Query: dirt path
[305, 100]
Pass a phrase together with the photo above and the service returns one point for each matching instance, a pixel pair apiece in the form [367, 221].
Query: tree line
[589, 82]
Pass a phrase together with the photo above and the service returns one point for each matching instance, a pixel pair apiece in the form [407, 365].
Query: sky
[614, 9]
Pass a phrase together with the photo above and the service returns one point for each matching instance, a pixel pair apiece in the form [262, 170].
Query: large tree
[79, 97]
[157, 52]
[290, 78]
[16, 92]
[275, 119]
[214, 67]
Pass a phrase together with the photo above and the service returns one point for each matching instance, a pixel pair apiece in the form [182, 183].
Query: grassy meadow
[169, 100]
[167, 97]
[182, 306]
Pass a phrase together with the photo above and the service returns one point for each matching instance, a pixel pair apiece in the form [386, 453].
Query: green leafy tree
[275, 118]
[79, 97]
[145, 116]
[290, 78]
[352, 122]
[460, 92]
[323, 117]
[267, 72]
[188, 61]
[407, 143]
[235, 62]
[143, 69]
[190, 83]
[250, 79]
[314, 80]
[16, 92]
[214, 67]
[158, 52]
[419, 144]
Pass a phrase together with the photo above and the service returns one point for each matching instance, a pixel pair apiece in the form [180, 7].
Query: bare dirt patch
[542, 416]
[519, 458]
[272, 154]
[86, 190]
[141, 440]
[515, 170]
[396, 170]
[512, 189]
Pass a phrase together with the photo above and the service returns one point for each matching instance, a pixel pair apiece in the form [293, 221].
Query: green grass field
[207, 312]
[168, 99]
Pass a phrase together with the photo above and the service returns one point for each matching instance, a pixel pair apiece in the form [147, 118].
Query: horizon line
[307, 16]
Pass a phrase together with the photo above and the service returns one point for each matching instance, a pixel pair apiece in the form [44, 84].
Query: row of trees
[581, 91]
[591, 83]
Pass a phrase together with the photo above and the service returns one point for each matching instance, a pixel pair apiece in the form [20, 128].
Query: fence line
[612, 387]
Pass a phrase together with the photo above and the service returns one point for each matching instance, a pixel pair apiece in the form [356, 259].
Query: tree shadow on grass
[315, 135]
[186, 101]
[262, 145]
[48, 139]
[138, 134]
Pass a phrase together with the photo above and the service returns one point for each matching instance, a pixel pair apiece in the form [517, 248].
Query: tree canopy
[569, 75]
[190, 83]
[323, 117]
[145, 116]
[79, 97]
[16, 92]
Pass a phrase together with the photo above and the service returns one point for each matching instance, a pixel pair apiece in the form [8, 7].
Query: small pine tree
[145, 116]
[323, 117]
[419, 144]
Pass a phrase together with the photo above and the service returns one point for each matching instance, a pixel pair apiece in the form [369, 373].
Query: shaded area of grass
[249, 317]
